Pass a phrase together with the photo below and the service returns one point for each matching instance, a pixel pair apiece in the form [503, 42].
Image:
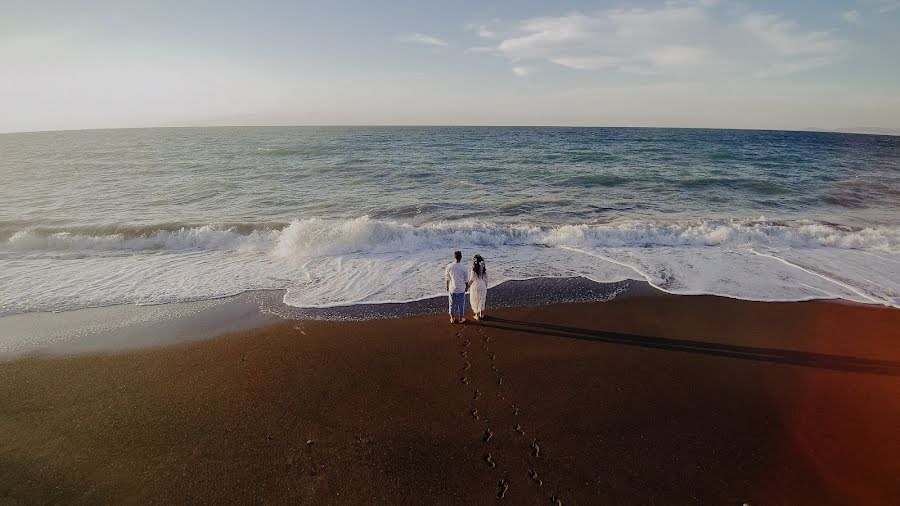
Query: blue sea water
[346, 215]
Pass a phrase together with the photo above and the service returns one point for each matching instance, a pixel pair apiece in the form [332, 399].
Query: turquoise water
[351, 215]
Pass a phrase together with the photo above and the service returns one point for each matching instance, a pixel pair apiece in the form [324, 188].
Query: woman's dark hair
[478, 266]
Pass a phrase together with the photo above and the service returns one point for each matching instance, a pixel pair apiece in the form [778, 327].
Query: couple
[458, 280]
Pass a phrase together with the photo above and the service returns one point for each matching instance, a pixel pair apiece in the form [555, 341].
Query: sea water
[338, 216]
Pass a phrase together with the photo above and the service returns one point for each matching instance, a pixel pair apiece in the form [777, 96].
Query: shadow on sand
[801, 358]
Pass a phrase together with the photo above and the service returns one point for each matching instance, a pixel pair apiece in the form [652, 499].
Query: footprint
[489, 460]
[535, 449]
[499, 380]
[488, 434]
[534, 477]
[466, 344]
[477, 394]
[475, 413]
[556, 501]
[464, 353]
[518, 429]
[503, 487]
[467, 366]
[493, 356]
[465, 381]
[515, 410]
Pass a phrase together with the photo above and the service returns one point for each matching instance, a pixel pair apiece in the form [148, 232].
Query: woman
[478, 286]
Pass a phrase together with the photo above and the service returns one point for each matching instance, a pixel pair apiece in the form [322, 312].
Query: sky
[678, 63]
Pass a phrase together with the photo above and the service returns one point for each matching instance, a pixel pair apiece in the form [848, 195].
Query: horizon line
[878, 131]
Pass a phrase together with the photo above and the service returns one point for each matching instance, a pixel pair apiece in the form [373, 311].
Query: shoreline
[122, 327]
[128, 326]
[639, 399]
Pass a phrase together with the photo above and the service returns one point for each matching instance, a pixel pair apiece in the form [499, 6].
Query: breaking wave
[314, 237]
[321, 262]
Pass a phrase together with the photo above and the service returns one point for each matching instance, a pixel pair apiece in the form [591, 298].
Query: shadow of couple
[774, 355]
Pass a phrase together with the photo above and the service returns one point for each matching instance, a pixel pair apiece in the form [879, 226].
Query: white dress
[478, 291]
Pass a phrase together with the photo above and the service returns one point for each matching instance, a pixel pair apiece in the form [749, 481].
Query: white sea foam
[208, 237]
[332, 262]
[334, 237]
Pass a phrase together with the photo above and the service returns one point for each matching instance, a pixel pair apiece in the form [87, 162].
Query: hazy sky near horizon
[703, 63]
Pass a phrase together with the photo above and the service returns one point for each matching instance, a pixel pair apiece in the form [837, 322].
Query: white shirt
[457, 274]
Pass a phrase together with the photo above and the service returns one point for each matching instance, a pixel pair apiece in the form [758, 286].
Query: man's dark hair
[457, 255]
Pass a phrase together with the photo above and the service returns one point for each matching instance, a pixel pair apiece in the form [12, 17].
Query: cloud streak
[885, 6]
[421, 38]
[523, 71]
[850, 16]
[672, 39]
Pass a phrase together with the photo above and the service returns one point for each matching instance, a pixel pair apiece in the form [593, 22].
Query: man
[456, 281]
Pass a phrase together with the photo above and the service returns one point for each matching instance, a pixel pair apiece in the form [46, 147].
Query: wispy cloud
[850, 16]
[485, 30]
[523, 70]
[586, 62]
[678, 37]
[884, 6]
[421, 38]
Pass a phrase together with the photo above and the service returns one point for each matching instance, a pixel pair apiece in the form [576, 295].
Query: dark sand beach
[641, 400]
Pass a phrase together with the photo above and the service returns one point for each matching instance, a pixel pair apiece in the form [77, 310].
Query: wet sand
[660, 399]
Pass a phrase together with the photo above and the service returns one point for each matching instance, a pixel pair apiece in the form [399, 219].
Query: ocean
[366, 215]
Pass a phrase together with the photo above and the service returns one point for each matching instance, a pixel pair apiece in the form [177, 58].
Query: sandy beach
[660, 399]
